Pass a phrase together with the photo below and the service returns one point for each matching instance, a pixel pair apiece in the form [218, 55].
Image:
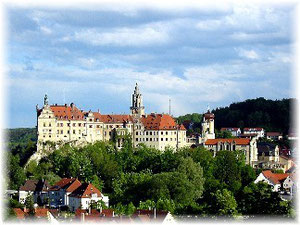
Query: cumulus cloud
[194, 56]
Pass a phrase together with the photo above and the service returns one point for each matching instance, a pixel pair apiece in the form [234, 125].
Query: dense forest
[272, 115]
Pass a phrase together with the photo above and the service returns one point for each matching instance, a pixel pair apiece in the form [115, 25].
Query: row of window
[155, 132]
[155, 139]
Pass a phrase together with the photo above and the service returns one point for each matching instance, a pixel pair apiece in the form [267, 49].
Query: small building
[232, 144]
[268, 152]
[286, 161]
[84, 196]
[259, 131]
[276, 180]
[37, 188]
[59, 192]
[235, 131]
[275, 136]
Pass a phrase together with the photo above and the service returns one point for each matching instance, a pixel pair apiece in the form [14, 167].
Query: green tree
[148, 204]
[227, 170]
[16, 175]
[29, 203]
[225, 203]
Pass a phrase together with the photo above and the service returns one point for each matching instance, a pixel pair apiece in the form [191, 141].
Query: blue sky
[193, 55]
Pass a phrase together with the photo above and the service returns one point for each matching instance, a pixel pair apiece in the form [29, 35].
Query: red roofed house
[84, 195]
[59, 192]
[232, 144]
[20, 214]
[68, 124]
[235, 131]
[276, 180]
[258, 131]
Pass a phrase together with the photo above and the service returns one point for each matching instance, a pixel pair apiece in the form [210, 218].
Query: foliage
[225, 203]
[223, 134]
[29, 203]
[16, 175]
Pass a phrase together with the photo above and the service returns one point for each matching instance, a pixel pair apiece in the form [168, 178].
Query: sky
[196, 56]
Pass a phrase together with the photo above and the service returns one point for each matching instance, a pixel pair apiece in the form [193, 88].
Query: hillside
[273, 115]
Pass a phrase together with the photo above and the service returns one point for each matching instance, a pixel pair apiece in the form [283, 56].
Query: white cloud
[250, 54]
[140, 36]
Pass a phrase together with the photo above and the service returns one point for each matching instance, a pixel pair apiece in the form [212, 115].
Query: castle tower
[137, 107]
[208, 126]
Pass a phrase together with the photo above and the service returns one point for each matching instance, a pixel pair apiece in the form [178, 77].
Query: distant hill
[21, 135]
[272, 115]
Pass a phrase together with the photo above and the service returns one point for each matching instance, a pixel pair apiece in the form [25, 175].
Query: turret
[137, 108]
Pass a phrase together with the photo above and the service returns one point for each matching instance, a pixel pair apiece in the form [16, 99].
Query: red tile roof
[112, 118]
[85, 191]
[69, 184]
[40, 212]
[20, 214]
[160, 122]
[209, 115]
[238, 141]
[64, 112]
[275, 178]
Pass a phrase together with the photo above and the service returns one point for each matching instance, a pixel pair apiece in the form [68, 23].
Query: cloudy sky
[195, 56]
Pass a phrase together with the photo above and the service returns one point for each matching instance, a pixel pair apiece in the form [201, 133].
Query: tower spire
[137, 107]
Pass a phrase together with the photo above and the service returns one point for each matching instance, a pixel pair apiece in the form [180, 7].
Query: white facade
[259, 132]
[261, 177]
[60, 124]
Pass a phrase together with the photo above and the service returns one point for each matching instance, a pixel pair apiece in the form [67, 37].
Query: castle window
[49, 136]
[170, 139]
[150, 133]
[137, 133]
[166, 132]
[150, 139]
[109, 133]
[68, 124]
[146, 139]
[44, 124]
[68, 132]
[162, 139]
[79, 124]
[61, 132]
[49, 116]
[49, 124]
[147, 133]
[73, 131]
[74, 124]
[57, 132]
[91, 119]
[91, 126]
[136, 139]
[166, 139]
[162, 133]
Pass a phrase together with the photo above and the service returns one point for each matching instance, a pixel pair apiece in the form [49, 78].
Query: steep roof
[85, 191]
[65, 112]
[160, 122]
[68, 184]
[30, 185]
[209, 115]
[20, 214]
[41, 212]
[112, 118]
[275, 178]
[238, 141]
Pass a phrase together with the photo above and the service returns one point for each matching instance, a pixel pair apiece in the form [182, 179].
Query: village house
[60, 191]
[258, 131]
[275, 136]
[276, 180]
[37, 188]
[268, 152]
[248, 146]
[84, 196]
[235, 131]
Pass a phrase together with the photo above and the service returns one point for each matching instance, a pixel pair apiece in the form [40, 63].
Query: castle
[67, 124]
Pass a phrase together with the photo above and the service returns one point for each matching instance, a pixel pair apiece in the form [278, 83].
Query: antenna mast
[169, 106]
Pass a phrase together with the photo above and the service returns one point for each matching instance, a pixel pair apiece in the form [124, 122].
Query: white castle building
[60, 124]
